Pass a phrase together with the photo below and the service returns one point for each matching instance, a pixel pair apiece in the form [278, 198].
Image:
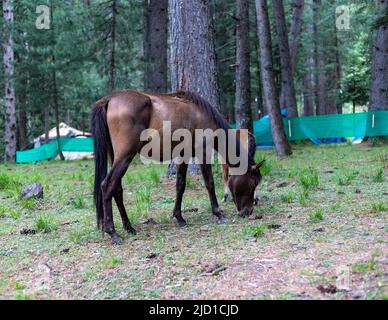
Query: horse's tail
[102, 146]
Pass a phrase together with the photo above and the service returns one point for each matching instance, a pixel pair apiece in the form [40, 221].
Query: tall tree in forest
[112, 53]
[243, 109]
[155, 45]
[320, 82]
[55, 93]
[308, 75]
[295, 31]
[379, 90]
[264, 34]
[193, 60]
[333, 104]
[287, 95]
[9, 98]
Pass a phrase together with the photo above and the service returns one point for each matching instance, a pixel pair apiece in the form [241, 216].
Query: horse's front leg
[207, 174]
[180, 189]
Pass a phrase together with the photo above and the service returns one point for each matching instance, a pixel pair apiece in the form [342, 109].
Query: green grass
[15, 214]
[303, 198]
[44, 224]
[380, 207]
[28, 204]
[316, 215]
[3, 211]
[309, 179]
[287, 197]
[319, 219]
[345, 178]
[78, 202]
[361, 267]
[378, 176]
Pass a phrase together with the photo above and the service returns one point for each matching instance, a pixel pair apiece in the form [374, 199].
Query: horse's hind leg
[206, 170]
[180, 189]
[110, 187]
[118, 196]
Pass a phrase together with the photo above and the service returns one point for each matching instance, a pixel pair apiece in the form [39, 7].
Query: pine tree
[9, 97]
[279, 137]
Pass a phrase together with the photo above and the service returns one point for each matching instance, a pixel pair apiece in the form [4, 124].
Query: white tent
[66, 131]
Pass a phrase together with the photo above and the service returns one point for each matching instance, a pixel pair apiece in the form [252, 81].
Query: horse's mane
[218, 119]
[206, 106]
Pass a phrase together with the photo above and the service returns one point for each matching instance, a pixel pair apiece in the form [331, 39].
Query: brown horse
[118, 121]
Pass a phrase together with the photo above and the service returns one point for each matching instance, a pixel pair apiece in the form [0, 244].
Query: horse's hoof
[130, 230]
[222, 220]
[225, 198]
[182, 223]
[116, 240]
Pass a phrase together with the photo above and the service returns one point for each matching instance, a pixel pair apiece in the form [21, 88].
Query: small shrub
[15, 214]
[19, 285]
[309, 179]
[303, 197]
[142, 204]
[345, 179]
[379, 207]
[2, 212]
[364, 266]
[379, 176]
[44, 224]
[154, 175]
[259, 230]
[5, 181]
[316, 215]
[111, 263]
[130, 178]
[10, 183]
[28, 204]
[287, 197]
[19, 295]
[78, 202]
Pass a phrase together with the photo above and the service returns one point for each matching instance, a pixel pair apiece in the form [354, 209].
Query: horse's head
[243, 188]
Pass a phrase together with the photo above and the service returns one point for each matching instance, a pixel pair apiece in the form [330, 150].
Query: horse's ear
[257, 167]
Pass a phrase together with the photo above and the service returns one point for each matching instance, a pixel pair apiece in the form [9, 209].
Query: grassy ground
[320, 232]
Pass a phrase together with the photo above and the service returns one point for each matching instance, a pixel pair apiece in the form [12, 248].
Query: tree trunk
[379, 90]
[155, 45]
[308, 97]
[46, 123]
[22, 129]
[279, 137]
[243, 77]
[287, 96]
[334, 71]
[262, 110]
[112, 58]
[56, 108]
[55, 95]
[295, 31]
[308, 76]
[193, 60]
[321, 91]
[9, 98]
[21, 98]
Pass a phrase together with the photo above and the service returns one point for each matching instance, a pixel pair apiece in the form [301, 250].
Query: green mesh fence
[357, 125]
[50, 150]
